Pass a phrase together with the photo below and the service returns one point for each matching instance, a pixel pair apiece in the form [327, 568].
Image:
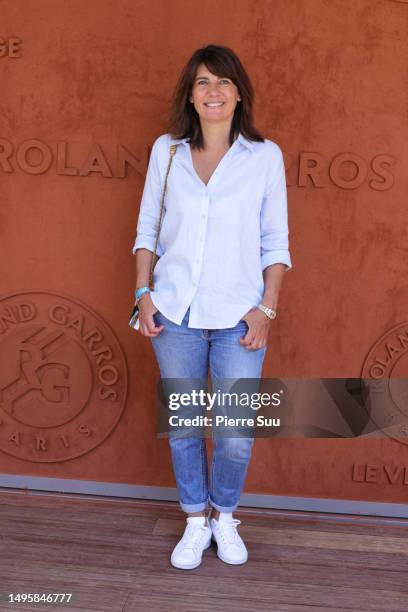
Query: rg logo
[63, 377]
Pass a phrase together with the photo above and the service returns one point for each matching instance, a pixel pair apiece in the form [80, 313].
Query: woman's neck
[216, 136]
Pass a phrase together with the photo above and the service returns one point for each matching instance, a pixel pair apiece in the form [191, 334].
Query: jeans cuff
[222, 508]
[194, 507]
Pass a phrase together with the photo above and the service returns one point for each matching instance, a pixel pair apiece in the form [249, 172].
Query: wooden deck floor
[113, 555]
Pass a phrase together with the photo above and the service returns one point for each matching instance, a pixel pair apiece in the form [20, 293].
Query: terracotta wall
[84, 89]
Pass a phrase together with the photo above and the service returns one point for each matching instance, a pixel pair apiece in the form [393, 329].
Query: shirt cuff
[272, 257]
[144, 242]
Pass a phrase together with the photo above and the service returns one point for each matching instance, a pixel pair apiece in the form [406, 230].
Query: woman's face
[214, 97]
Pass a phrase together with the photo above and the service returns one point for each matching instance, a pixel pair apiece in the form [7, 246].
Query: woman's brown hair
[184, 122]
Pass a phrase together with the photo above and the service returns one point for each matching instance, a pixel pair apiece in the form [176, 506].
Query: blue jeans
[183, 352]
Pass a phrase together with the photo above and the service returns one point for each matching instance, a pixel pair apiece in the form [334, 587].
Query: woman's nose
[213, 87]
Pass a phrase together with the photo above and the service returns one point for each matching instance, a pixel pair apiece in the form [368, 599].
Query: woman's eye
[222, 81]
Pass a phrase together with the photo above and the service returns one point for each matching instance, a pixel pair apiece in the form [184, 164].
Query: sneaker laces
[192, 535]
[228, 531]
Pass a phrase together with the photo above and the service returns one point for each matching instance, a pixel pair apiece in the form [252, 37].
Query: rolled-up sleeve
[149, 211]
[274, 217]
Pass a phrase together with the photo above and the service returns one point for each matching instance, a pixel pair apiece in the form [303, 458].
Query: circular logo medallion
[385, 374]
[63, 377]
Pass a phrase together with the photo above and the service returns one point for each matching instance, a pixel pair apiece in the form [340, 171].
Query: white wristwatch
[270, 312]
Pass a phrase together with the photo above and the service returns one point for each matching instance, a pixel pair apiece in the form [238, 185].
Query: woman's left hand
[257, 334]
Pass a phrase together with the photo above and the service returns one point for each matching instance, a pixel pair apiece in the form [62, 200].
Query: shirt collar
[247, 143]
[178, 140]
[244, 141]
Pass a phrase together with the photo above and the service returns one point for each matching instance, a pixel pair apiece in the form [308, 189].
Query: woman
[223, 251]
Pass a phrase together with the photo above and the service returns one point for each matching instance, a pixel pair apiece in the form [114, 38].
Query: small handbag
[134, 317]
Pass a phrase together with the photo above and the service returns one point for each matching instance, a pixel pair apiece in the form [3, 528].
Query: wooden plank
[302, 537]
[116, 556]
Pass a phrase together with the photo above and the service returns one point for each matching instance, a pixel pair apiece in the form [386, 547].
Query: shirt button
[203, 216]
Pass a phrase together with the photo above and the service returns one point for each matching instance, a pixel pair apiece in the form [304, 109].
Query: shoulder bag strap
[154, 258]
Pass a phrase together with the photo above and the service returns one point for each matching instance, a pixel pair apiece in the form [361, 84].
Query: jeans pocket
[156, 316]
[242, 323]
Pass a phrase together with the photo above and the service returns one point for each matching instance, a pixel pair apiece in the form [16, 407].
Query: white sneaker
[231, 548]
[187, 554]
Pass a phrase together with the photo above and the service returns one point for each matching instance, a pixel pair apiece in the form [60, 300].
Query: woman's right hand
[146, 311]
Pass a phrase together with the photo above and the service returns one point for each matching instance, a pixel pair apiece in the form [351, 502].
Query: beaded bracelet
[141, 291]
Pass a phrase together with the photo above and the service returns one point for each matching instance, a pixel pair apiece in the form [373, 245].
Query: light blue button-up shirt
[215, 240]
